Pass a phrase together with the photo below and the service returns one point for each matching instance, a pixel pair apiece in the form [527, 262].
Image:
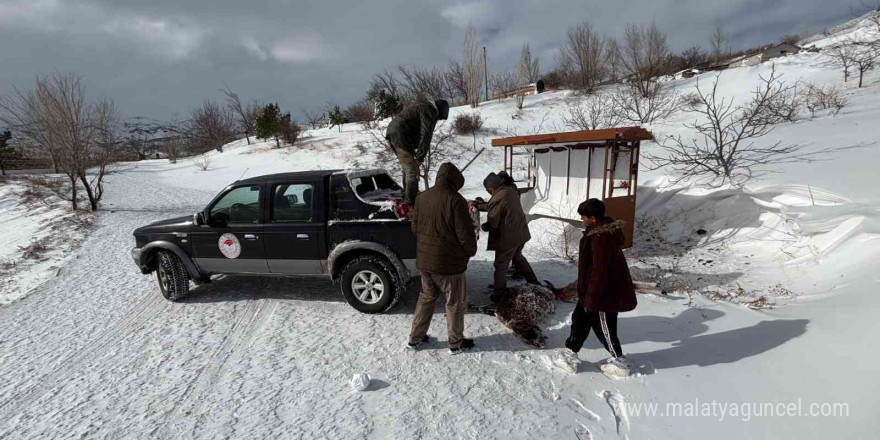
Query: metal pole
[486, 72]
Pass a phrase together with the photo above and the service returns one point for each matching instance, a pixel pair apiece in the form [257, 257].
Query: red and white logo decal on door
[229, 245]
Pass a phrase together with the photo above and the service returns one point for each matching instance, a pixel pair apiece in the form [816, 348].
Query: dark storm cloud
[163, 56]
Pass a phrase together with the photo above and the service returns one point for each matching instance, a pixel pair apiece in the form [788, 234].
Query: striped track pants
[604, 324]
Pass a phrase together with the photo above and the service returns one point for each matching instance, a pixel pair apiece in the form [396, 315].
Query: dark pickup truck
[345, 225]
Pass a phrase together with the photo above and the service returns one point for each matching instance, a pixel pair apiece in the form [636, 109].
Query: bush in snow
[554, 79]
[202, 162]
[361, 111]
[467, 124]
[822, 98]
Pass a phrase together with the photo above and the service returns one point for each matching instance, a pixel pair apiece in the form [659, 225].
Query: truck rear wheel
[172, 276]
[370, 284]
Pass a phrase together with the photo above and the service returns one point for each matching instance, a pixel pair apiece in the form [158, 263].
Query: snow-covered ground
[39, 234]
[97, 353]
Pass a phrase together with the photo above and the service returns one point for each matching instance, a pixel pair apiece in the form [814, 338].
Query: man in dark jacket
[605, 287]
[508, 233]
[445, 242]
[409, 135]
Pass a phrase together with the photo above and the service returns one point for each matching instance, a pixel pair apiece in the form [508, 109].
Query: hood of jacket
[448, 176]
[606, 225]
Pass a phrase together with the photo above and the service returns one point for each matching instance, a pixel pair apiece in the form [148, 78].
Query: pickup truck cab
[344, 225]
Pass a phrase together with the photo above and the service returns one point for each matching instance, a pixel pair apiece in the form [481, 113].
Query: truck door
[231, 241]
[296, 230]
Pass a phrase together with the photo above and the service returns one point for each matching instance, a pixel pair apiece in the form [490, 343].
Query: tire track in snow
[230, 350]
[62, 370]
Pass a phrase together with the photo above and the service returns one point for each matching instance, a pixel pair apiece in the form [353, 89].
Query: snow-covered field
[96, 352]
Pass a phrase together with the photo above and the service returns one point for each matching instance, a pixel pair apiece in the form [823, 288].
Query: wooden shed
[558, 171]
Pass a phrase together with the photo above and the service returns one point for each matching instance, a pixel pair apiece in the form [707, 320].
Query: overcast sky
[158, 57]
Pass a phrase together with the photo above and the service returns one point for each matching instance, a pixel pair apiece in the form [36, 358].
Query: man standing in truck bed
[409, 135]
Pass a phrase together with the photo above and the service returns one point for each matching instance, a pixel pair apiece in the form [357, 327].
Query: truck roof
[285, 176]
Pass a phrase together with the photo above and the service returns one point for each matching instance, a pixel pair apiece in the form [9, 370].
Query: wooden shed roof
[626, 134]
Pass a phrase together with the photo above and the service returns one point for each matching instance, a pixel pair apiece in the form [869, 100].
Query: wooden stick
[475, 158]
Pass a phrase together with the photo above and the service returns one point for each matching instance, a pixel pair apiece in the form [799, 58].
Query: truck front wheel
[370, 284]
[172, 276]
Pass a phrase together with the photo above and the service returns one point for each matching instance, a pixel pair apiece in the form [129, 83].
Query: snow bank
[39, 232]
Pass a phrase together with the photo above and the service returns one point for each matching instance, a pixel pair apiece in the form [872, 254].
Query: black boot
[416, 345]
[466, 344]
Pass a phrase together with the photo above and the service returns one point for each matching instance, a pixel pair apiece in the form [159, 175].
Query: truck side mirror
[198, 219]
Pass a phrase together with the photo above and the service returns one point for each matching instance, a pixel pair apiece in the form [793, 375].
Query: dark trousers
[502, 263]
[604, 324]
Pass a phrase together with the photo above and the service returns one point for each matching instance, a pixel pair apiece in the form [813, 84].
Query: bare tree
[502, 82]
[443, 149]
[528, 70]
[423, 84]
[518, 102]
[472, 64]
[843, 56]
[245, 114]
[456, 81]
[23, 113]
[823, 98]
[613, 60]
[79, 134]
[314, 119]
[865, 55]
[592, 112]
[717, 41]
[645, 52]
[103, 151]
[139, 134]
[172, 142]
[692, 57]
[632, 105]
[781, 103]
[726, 144]
[210, 127]
[581, 56]
[387, 82]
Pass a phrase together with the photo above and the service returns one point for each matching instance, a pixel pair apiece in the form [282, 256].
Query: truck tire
[172, 276]
[370, 284]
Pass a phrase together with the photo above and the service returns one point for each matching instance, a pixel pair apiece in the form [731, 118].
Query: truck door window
[292, 203]
[240, 205]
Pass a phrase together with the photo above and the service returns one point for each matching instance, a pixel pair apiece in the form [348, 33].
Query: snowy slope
[39, 232]
[97, 353]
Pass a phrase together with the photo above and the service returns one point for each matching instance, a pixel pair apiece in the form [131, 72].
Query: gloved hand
[485, 227]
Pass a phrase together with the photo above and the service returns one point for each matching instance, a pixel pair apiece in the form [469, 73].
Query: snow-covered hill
[773, 304]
